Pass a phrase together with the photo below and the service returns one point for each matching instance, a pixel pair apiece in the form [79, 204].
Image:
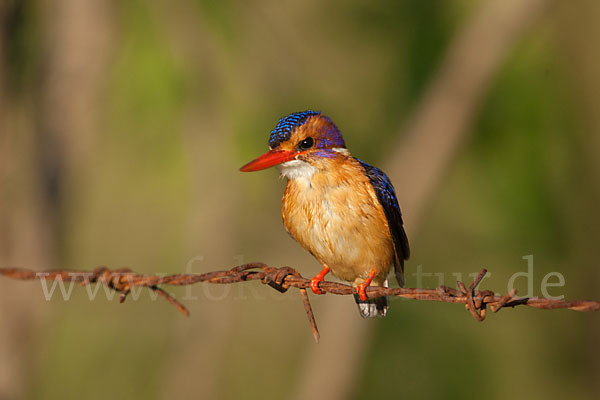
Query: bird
[340, 209]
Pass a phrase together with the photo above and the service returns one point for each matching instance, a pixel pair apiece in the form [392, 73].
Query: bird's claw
[314, 284]
[320, 277]
[361, 289]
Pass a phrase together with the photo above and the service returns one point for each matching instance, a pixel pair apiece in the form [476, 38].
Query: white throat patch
[297, 169]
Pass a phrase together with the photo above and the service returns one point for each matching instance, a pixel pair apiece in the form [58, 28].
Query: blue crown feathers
[285, 126]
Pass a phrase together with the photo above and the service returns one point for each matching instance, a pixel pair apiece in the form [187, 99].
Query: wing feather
[387, 198]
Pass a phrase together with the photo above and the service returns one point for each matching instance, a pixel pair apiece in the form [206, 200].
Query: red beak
[269, 159]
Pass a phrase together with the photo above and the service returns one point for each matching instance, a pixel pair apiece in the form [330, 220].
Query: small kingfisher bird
[339, 208]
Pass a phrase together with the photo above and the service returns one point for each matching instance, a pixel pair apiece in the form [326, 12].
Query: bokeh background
[123, 124]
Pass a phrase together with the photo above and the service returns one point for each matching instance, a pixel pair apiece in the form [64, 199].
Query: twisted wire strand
[476, 301]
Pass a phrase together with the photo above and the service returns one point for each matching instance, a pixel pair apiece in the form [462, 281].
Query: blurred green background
[123, 124]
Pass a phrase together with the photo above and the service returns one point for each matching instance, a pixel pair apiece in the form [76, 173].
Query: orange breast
[335, 215]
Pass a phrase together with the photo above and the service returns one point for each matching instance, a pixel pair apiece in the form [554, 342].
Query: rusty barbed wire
[123, 280]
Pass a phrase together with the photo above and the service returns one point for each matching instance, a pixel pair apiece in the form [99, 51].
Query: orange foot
[320, 277]
[361, 289]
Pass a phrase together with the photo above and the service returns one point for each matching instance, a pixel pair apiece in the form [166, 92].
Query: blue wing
[387, 198]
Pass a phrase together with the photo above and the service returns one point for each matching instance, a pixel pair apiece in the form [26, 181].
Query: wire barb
[281, 279]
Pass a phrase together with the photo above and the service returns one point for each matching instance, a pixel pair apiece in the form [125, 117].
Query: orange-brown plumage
[340, 209]
[337, 218]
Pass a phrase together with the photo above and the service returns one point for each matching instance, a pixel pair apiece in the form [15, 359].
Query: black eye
[306, 144]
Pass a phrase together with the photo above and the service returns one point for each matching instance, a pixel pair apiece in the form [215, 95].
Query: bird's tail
[371, 308]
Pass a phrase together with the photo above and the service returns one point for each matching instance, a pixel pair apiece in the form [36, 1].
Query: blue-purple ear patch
[285, 126]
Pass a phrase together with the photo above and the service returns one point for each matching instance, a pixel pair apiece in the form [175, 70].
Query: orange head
[302, 136]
